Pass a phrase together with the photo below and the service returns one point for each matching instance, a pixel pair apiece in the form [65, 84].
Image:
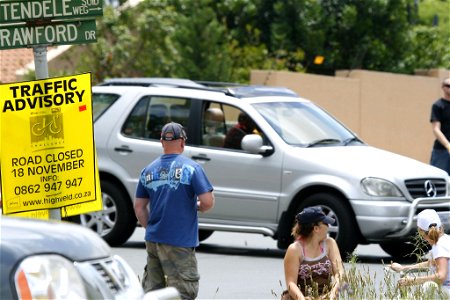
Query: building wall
[388, 111]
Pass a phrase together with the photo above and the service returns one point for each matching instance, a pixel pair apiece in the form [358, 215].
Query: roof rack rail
[156, 81]
[260, 91]
[240, 90]
[219, 83]
[237, 90]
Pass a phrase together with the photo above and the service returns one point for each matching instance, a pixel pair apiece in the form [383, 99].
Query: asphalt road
[246, 266]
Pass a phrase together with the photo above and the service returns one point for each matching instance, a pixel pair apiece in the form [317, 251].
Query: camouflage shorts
[171, 266]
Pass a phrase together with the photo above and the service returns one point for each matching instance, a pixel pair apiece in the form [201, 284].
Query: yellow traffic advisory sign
[47, 147]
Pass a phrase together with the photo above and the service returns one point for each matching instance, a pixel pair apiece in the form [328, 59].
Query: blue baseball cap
[313, 214]
[173, 131]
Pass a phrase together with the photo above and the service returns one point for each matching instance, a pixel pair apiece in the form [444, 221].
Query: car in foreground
[298, 155]
[60, 260]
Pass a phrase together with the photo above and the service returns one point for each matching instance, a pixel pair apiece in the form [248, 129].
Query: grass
[360, 284]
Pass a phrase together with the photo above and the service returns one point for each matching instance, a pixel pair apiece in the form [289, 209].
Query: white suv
[297, 156]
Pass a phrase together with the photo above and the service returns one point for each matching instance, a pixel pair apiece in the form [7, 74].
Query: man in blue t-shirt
[169, 193]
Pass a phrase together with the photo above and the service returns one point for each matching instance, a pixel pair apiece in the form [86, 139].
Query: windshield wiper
[322, 142]
[351, 140]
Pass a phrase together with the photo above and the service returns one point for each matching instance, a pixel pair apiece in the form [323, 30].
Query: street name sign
[34, 10]
[56, 33]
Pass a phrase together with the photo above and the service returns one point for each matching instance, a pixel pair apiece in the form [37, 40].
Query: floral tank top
[314, 274]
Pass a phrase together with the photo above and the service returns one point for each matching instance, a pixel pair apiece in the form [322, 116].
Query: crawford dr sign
[19, 36]
[20, 11]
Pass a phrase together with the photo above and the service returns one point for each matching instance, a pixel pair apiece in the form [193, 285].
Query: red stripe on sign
[82, 108]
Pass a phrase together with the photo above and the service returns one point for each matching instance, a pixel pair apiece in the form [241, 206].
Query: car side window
[101, 102]
[134, 126]
[224, 126]
[151, 113]
[213, 125]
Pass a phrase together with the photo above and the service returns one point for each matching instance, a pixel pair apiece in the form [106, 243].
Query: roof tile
[12, 60]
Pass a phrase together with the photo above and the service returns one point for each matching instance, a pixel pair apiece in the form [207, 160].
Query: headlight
[48, 277]
[380, 187]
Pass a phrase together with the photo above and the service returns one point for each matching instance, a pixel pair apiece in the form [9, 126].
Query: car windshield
[304, 124]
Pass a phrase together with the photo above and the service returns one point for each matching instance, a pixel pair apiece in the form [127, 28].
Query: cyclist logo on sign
[47, 130]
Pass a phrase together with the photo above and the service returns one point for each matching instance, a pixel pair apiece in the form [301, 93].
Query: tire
[203, 234]
[344, 230]
[404, 250]
[117, 221]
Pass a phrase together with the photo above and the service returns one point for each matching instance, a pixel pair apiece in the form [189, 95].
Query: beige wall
[389, 111]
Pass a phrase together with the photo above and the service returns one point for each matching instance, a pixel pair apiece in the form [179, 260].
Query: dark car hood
[20, 237]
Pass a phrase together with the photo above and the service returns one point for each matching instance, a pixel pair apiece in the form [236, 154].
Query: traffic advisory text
[43, 95]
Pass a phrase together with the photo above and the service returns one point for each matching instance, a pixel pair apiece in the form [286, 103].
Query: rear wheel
[116, 222]
[344, 230]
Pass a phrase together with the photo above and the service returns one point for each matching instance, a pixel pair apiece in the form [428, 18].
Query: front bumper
[387, 220]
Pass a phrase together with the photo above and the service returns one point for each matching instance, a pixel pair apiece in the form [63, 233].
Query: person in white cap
[431, 230]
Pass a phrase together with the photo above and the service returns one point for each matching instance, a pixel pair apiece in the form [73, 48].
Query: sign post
[40, 61]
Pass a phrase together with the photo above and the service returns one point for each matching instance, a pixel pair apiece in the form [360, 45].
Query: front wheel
[117, 221]
[344, 230]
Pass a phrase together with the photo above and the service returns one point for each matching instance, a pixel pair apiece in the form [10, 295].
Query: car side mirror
[253, 143]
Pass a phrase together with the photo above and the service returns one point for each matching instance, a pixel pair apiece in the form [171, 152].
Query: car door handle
[201, 157]
[123, 149]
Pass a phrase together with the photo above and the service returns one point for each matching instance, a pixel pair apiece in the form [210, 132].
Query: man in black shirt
[440, 123]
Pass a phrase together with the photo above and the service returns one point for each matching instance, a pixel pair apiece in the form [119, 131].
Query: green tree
[296, 33]
[430, 36]
[363, 34]
[224, 40]
[134, 42]
[201, 43]
[374, 35]
[429, 49]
